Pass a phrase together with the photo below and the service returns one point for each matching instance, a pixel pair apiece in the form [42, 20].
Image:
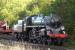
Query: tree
[11, 8]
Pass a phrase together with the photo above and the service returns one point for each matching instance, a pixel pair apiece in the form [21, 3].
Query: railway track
[8, 42]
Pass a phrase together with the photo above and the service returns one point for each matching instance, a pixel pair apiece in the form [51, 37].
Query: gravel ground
[8, 42]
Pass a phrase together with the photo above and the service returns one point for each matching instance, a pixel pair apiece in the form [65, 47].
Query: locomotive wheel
[52, 41]
[35, 41]
[43, 40]
[30, 40]
[60, 41]
[17, 36]
[31, 37]
[39, 40]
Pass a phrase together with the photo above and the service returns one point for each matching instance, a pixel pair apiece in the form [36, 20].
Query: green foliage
[45, 6]
[11, 8]
[2, 17]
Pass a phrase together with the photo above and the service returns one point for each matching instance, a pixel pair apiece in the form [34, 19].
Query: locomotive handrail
[35, 26]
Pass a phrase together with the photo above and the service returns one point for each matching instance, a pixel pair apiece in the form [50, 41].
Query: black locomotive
[43, 29]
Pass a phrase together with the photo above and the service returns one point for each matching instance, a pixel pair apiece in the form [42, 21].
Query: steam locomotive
[41, 29]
